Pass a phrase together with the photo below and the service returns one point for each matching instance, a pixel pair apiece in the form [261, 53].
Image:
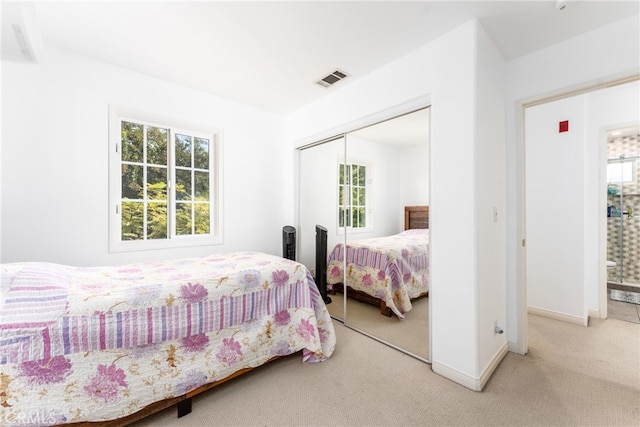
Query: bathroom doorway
[623, 224]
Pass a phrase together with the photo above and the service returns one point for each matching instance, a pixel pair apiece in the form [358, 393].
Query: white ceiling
[269, 54]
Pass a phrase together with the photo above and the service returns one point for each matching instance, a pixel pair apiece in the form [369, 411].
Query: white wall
[555, 209]
[601, 55]
[490, 202]
[386, 208]
[443, 71]
[413, 170]
[55, 163]
[318, 198]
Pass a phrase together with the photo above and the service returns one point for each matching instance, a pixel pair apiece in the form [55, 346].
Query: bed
[118, 343]
[389, 271]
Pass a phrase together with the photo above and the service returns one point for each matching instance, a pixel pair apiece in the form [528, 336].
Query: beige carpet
[573, 376]
[410, 333]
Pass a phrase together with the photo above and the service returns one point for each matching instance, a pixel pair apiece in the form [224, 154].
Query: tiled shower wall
[624, 248]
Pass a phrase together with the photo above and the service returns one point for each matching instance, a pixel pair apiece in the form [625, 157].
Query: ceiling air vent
[332, 78]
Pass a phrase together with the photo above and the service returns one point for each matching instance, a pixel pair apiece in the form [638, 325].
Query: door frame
[521, 345]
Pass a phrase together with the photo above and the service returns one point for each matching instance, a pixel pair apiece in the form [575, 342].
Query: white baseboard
[593, 313]
[569, 318]
[475, 384]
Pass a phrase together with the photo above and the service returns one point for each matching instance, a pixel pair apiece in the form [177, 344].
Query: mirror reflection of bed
[389, 272]
[389, 276]
[357, 186]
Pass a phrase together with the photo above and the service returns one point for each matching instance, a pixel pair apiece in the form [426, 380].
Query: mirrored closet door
[318, 194]
[358, 186]
[389, 171]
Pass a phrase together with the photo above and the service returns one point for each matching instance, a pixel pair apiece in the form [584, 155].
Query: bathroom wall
[627, 253]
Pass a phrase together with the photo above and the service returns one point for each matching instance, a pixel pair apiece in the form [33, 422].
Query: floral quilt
[394, 268]
[94, 344]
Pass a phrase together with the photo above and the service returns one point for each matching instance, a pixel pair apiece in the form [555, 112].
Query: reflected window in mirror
[353, 196]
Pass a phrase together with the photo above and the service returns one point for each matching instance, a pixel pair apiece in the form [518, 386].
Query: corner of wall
[473, 383]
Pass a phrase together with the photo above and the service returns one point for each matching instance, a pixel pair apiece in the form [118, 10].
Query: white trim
[569, 318]
[594, 313]
[475, 384]
[493, 364]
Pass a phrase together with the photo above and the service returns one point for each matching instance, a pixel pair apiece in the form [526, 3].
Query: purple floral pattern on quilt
[249, 279]
[229, 351]
[46, 371]
[106, 384]
[193, 292]
[279, 277]
[195, 343]
[305, 330]
[282, 318]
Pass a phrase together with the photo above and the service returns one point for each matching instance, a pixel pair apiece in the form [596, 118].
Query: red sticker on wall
[563, 126]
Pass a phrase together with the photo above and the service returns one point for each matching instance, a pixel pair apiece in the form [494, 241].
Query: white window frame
[368, 189]
[215, 237]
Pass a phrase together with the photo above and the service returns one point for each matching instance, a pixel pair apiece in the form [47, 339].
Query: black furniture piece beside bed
[321, 262]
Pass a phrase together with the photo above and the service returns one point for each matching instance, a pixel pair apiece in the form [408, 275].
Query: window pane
[361, 175]
[362, 197]
[183, 219]
[201, 153]
[183, 184]
[202, 218]
[341, 173]
[156, 183]
[132, 141]
[183, 150]
[361, 217]
[132, 221]
[132, 182]
[347, 217]
[354, 196]
[354, 175]
[202, 186]
[157, 146]
[340, 217]
[157, 221]
[347, 174]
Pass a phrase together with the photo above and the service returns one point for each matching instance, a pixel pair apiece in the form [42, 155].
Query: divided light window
[164, 180]
[352, 196]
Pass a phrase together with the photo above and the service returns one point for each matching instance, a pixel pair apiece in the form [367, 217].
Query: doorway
[564, 206]
[623, 224]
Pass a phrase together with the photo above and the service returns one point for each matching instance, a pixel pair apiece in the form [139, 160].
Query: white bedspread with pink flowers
[394, 268]
[93, 344]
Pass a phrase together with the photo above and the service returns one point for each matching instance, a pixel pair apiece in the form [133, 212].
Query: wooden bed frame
[414, 217]
[182, 403]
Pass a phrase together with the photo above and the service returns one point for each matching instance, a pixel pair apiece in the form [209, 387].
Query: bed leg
[384, 310]
[184, 407]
